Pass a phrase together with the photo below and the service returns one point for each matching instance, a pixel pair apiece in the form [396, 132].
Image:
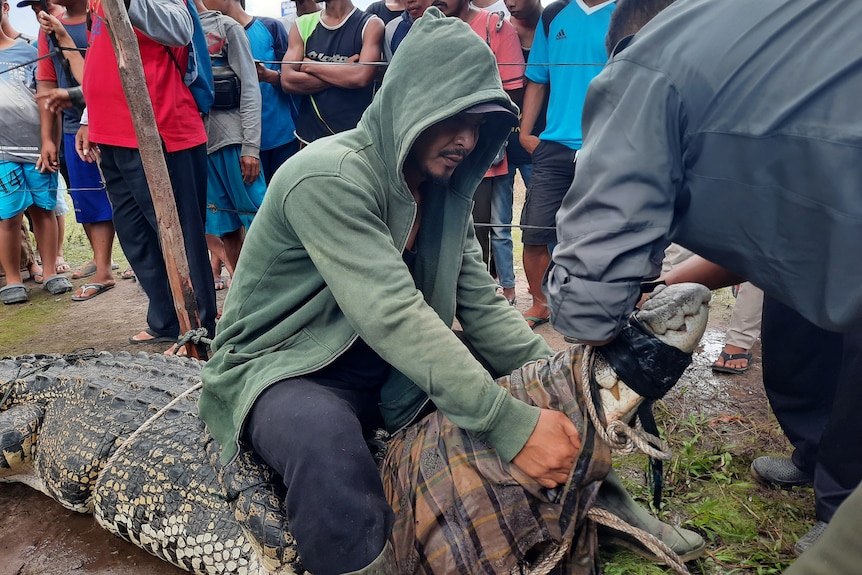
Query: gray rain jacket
[734, 129]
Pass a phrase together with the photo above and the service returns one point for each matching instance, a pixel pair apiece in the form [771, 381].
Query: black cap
[494, 108]
[23, 3]
[488, 107]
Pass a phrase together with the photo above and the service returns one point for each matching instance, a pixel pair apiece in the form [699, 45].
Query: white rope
[653, 543]
[620, 437]
[546, 564]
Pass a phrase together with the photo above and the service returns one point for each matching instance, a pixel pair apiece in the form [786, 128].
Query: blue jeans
[502, 196]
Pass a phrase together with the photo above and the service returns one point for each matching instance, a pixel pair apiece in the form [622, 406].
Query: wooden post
[150, 147]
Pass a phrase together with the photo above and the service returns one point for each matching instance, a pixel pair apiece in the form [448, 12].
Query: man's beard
[433, 179]
[443, 180]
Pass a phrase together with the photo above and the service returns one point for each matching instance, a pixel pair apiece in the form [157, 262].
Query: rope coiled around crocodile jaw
[626, 440]
[620, 437]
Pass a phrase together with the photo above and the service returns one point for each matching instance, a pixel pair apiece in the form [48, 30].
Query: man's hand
[48, 159]
[86, 151]
[250, 168]
[51, 24]
[55, 99]
[550, 453]
[528, 142]
[267, 76]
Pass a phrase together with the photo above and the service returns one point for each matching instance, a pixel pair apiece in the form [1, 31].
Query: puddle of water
[700, 389]
[710, 346]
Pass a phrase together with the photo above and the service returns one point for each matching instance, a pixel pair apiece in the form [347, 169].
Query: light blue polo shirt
[576, 35]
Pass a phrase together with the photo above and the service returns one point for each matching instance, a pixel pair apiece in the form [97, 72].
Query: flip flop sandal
[57, 285]
[154, 338]
[128, 274]
[14, 293]
[730, 357]
[537, 321]
[62, 266]
[85, 271]
[81, 294]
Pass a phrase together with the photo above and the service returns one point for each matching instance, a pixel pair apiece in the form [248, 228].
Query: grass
[708, 488]
[76, 247]
[23, 322]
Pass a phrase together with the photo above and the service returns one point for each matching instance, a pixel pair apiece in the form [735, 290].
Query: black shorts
[553, 172]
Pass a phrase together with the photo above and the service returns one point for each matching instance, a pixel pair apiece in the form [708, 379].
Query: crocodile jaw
[677, 315]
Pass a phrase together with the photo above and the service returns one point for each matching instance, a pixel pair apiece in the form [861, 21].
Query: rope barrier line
[55, 189]
[379, 64]
[50, 54]
[384, 64]
[215, 209]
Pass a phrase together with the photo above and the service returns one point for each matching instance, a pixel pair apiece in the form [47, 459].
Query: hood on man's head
[441, 69]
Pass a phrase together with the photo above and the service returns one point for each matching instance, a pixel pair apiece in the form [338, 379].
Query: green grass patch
[20, 323]
[749, 529]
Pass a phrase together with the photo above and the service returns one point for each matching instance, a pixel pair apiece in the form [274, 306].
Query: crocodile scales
[63, 422]
[119, 437]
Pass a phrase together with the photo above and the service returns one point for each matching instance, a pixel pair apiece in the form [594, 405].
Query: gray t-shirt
[229, 48]
[20, 140]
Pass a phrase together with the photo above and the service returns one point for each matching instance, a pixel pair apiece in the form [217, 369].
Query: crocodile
[118, 436]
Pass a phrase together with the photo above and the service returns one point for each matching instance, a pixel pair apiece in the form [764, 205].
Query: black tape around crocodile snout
[646, 364]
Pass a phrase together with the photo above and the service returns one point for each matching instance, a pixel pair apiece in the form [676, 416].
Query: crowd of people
[250, 133]
[653, 160]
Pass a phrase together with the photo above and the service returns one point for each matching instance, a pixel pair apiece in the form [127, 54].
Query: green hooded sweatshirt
[322, 264]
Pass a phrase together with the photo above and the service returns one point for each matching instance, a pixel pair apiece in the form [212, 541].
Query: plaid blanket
[460, 509]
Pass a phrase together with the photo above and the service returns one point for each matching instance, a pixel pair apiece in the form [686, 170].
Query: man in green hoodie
[361, 257]
[340, 316]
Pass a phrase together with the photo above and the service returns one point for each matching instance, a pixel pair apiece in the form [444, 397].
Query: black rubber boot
[614, 497]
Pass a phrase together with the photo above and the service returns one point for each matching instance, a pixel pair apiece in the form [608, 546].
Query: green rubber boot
[614, 497]
[383, 565]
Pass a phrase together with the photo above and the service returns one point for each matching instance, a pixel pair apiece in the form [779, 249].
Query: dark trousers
[138, 231]
[482, 215]
[313, 434]
[813, 379]
[272, 159]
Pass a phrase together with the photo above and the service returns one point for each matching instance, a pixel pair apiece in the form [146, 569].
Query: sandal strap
[731, 356]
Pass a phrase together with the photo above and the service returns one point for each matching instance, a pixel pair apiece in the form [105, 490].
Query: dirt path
[38, 536]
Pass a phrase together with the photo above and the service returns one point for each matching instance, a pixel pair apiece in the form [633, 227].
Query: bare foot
[62, 266]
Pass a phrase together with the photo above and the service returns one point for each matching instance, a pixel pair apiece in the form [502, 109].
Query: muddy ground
[38, 536]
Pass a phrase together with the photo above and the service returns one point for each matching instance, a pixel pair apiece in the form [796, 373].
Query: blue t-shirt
[575, 35]
[268, 40]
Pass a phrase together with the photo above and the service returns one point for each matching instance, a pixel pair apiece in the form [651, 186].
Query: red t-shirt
[44, 68]
[507, 50]
[177, 117]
